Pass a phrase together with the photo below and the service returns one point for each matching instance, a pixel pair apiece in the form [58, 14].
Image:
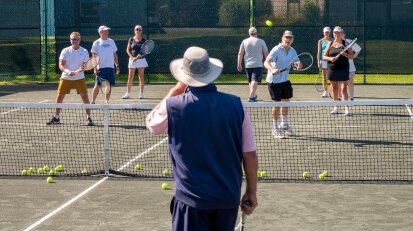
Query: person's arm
[128, 50]
[319, 53]
[270, 67]
[95, 70]
[115, 58]
[325, 56]
[240, 57]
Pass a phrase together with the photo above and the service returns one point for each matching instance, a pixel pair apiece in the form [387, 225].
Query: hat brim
[196, 81]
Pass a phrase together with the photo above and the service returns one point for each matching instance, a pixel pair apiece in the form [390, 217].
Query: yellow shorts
[66, 85]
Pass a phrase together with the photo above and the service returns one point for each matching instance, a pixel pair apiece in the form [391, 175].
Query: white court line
[34, 225]
[7, 112]
[410, 111]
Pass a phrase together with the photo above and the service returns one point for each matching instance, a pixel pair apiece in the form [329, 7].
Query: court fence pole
[106, 140]
[45, 38]
[252, 14]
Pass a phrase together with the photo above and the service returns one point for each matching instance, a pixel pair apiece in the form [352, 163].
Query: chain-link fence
[384, 30]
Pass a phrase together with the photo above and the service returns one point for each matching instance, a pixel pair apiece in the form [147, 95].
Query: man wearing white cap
[105, 48]
[322, 64]
[253, 50]
[207, 160]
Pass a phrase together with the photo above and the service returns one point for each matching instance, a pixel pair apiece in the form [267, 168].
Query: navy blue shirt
[205, 144]
[135, 47]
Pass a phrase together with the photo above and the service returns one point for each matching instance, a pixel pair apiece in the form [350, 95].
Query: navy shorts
[106, 73]
[254, 74]
[280, 91]
[186, 218]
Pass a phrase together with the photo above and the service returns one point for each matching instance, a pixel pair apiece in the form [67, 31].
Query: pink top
[157, 123]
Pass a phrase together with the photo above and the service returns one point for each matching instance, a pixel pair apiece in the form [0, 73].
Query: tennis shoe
[287, 129]
[277, 133]
[141, 96]
[335, 111]
[325, 94]
[89, 121]
[126, 96]
[252, 98]
[54, 120]
[347, 112]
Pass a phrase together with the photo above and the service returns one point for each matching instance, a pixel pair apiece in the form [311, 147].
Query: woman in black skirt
[338, 68]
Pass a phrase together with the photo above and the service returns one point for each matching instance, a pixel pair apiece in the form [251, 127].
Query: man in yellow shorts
[70, 63]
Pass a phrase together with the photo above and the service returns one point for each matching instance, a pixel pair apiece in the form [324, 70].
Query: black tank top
[135, 47]
[341, 62]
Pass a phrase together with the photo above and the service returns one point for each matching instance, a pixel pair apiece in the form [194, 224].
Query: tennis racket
[347, 47]
[241, 224]
[91, 63]
[105, 87]
[147, 47]
[306, 60]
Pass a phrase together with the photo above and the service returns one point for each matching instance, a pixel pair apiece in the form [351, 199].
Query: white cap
[338, 29]
[252, 30]
[326, 29]
[101, 28]
[138, 27]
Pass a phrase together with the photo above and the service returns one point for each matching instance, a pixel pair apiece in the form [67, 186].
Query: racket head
[147, 47]
[91, 63]
[306, 60]
[105, 87]
[350, 45]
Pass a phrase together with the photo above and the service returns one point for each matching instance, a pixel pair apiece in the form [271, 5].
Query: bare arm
[269, 66]
[115, 58]
[325, 56]
[239, 63]
[250, 164]
[318, 53]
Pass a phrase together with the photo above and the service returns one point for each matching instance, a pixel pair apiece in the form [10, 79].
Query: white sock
[284, 120]
[275, 124]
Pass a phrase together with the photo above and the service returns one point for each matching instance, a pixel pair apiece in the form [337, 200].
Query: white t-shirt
[253, 49]
[105, 49]
[74, 60]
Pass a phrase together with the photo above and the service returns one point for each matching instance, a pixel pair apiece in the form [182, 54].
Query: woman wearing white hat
[322, 64]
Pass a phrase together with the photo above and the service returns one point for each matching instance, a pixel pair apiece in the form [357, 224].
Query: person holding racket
[322, 64]
[278, 64]
[136, 61]
[253, 50]
[71, 60]
[338, 67]
[105, 48]
[207, 166]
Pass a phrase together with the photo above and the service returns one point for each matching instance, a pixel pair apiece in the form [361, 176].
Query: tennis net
[374, 144]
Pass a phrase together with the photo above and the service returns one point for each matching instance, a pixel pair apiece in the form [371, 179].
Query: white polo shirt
[74, 60]
[105, 49]
[280, 59]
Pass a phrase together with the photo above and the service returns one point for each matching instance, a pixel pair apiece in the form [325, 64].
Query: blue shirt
[281, 59]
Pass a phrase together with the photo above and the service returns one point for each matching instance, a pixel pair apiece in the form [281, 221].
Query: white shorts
[139, 63]
[352, 66]
[323, 64]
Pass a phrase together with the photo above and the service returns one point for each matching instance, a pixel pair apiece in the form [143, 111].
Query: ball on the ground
[138, 167]
[263, 174]
[84, 171]
[165, 186]
[243, 173]
[31, 170]
[321, 176]
[325, 173]
[50, 179]
[306, 174]
[258, 173]
[51, 173]
[46, 168]
[268, 23]
[40, 170]
[166, 172]
[59, 168]
[24, 172]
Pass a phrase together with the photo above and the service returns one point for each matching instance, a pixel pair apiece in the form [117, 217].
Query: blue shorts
[254, 74]
[186, 218]
[106, 73]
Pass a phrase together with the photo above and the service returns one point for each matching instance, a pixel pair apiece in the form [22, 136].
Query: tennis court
[368, 189]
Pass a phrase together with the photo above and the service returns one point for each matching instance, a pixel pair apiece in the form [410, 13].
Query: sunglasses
[75, 39]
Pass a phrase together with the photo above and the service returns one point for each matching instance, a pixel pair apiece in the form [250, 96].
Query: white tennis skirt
[139, 63]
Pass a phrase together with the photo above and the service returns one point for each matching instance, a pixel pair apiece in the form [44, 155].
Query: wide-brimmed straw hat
[196, 68]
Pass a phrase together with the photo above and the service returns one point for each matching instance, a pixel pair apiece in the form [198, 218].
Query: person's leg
[253, 88]
[186, 218]
[343, 89]
[141, 73]
[131, 75]
[59, 99]
[334, 91]
[224, 219]
[351, 85]
[95, 91]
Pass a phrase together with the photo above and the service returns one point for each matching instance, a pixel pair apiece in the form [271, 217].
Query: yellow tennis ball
[24, 172]
[84, 171]
[40, 170]
[258, 173]
[50, 179]
[31, 170]
[263, 174]
[59, 168]
[138, 167]
[165, 186]
[51, 173]
[325, 173]
[306, 174]
[268, 23]
[46, 168]
[321, 176]
[243, 173]
[166, 172]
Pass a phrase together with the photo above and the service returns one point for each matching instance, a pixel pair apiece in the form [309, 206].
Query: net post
[106, 140]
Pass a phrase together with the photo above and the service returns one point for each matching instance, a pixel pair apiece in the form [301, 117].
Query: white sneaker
[277, 133]
[325, 94]
[347, 112]
[287, 129]
[141, 96]
[126, 96]
[335, 110]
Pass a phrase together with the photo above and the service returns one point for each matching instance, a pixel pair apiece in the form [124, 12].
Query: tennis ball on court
[321, 176]
[166, 172]
[46, 168]
[306, 174]
[59, 168]
[258, 173]
[325, 173]
[263, 174]
[84, 171]
[243, 173]
[165, 186]
[24, 172]
[31, 170]
[268, 23]
[40, 170]
[50, 179]
[51, 173]
[138, 167]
